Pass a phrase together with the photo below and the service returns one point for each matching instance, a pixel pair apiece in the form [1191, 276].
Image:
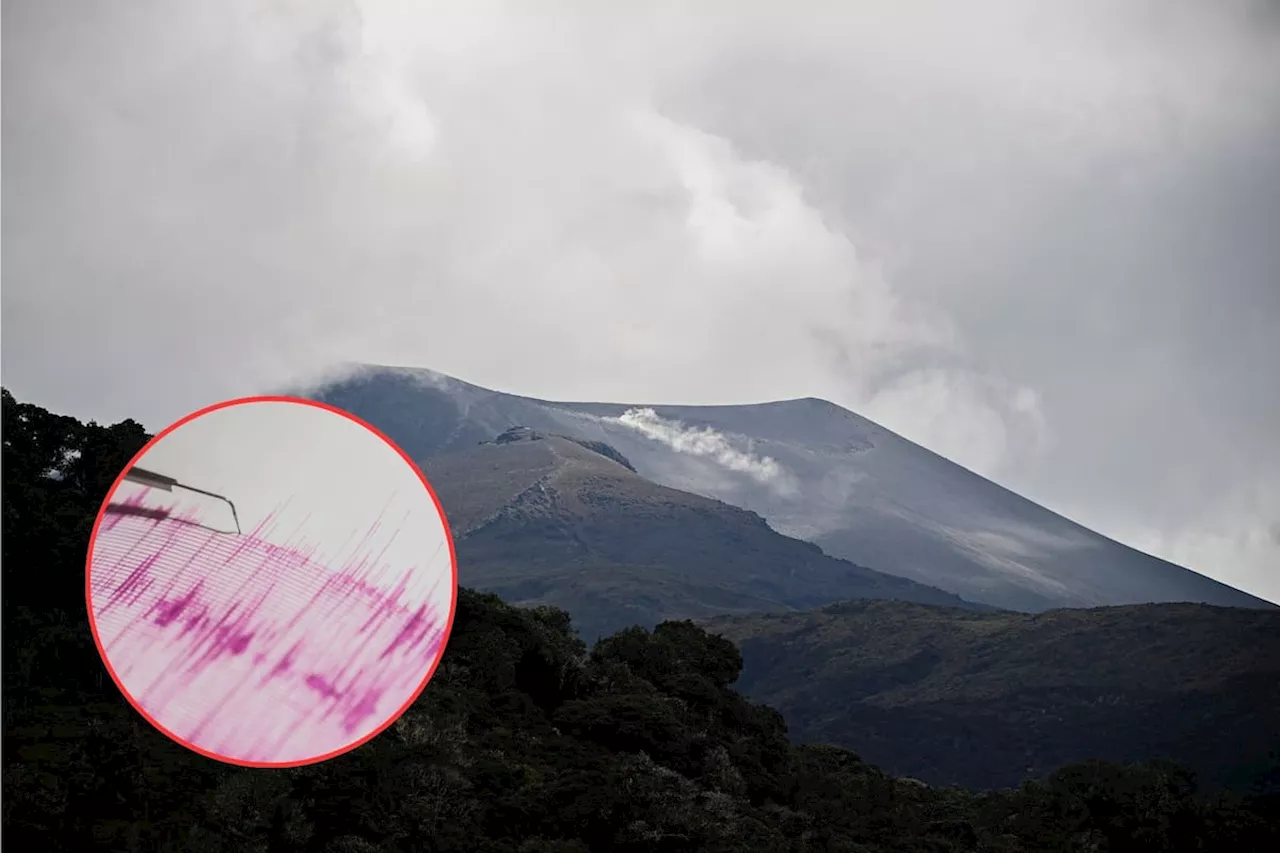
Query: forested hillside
[524, 741]
[986, 699]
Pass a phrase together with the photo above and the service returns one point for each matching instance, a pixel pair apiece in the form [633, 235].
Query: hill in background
[988, 699]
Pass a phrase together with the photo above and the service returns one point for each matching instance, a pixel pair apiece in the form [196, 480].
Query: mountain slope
[816, 472]
[986, 699]
[542, 519]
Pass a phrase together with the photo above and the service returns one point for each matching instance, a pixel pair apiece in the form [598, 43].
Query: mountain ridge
[541, 519]
[816, 472]
[986, 699]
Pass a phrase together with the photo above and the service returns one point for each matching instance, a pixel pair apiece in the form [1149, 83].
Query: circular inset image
[271, 582]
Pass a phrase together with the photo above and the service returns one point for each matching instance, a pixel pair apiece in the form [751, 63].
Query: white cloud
[964, 416]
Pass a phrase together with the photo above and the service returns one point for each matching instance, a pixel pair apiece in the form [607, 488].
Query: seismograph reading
[255, 651]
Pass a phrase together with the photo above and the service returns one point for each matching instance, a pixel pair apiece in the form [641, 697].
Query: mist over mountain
[813, 471]
[543, 519]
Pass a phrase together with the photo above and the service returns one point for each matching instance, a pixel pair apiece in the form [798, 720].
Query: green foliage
[524, 742]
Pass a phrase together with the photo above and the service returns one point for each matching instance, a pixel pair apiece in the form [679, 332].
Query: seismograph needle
[143, 477]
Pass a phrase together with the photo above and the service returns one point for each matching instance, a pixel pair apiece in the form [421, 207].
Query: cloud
[1018, 233]
[710, 444]
[965, 416]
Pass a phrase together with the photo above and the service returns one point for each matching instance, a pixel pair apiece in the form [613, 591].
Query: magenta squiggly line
[254, 650]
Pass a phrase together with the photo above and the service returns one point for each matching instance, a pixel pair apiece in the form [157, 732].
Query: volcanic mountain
[543, 519]
[813, 471]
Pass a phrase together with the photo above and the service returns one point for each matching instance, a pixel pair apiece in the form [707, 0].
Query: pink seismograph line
[254, 651]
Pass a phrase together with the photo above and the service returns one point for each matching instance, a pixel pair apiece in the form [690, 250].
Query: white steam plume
[708, 443]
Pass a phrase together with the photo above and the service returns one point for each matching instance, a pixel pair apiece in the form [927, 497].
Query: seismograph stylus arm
[143, 477]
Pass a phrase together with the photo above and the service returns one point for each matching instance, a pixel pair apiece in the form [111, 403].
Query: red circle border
[453, 568]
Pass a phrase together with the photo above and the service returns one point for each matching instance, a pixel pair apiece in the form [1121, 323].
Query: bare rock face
[523, 433]
[541, 519]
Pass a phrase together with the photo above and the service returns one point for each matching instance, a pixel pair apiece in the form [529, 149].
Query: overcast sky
[1039, 238]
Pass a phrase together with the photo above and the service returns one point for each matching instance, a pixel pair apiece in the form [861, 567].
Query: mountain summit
[815, 472]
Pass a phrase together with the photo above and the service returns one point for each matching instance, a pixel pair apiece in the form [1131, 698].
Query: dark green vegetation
[56, 472]
[541, 519]
[985, 699]
[523, 743]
